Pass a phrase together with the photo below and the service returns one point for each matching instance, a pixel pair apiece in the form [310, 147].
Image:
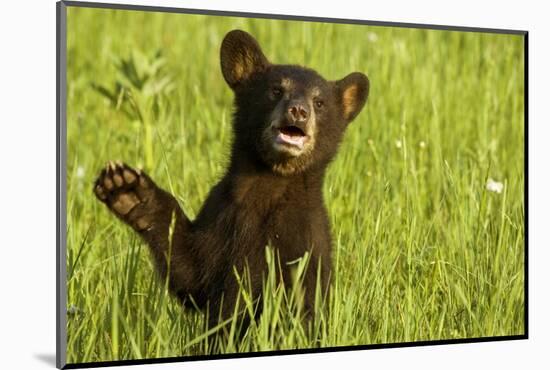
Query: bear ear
[240, 56]
[353, 91]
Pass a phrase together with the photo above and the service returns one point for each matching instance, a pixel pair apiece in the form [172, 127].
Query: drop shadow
[47, 358]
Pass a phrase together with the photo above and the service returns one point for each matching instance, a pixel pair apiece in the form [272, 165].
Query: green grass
[422, 250]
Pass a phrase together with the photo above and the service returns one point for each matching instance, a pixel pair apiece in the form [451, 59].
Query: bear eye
[319, 103]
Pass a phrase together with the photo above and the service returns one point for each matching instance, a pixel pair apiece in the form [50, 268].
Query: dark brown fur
[269, 195]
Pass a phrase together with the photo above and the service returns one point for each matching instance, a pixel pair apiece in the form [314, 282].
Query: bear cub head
[287, 117]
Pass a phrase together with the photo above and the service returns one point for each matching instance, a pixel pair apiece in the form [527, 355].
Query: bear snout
[297, 112]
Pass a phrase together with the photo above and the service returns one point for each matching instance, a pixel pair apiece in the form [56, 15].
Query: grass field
[423, 249]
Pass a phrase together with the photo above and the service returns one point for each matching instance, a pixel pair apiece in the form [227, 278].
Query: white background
[27, 182]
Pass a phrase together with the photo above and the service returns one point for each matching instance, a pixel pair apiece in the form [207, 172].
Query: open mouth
[291, 135]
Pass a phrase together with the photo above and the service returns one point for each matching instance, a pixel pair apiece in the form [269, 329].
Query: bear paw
[126, 192]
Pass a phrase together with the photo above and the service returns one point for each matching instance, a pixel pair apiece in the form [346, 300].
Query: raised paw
[127, 192]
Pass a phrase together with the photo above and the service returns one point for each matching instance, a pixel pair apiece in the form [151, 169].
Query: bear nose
[297, 112]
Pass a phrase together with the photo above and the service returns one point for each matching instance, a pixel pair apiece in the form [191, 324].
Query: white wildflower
[398, 144]
[73, 310]
[494, 186]
[80, 172]
[373, 37]
[422, 144]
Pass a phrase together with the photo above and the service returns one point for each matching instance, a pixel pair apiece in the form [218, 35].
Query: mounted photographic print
[235, 184]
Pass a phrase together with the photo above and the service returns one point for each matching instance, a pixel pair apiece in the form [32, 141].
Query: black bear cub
[287, 126]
